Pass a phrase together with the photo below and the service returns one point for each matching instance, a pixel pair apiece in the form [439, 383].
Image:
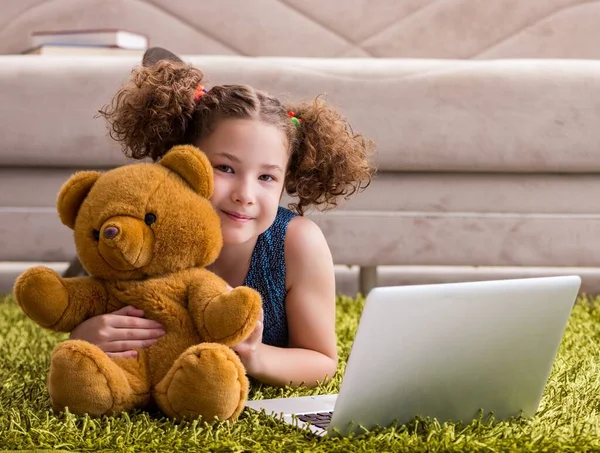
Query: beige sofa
[488, 168]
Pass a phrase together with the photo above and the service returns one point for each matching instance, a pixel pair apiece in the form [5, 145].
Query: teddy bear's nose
[111, 232]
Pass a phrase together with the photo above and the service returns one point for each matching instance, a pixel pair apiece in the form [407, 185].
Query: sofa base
[350, 278]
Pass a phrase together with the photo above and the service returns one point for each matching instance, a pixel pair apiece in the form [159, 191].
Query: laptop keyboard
[319, 419]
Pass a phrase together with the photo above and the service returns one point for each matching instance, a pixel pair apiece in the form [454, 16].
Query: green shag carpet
[568, 419]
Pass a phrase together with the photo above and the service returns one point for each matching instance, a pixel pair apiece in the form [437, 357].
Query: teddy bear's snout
[126, 243]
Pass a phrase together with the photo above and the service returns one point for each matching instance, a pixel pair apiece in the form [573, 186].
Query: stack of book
[87, 42]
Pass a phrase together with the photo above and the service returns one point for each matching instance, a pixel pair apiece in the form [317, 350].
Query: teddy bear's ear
[156, 54]
[193, 166]
[72, 194]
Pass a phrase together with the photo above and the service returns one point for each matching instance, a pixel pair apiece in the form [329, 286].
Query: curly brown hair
[157, 109]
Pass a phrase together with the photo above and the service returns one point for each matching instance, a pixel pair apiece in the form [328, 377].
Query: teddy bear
[145, 233]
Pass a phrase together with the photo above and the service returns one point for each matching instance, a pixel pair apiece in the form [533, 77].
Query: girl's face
[249, 159]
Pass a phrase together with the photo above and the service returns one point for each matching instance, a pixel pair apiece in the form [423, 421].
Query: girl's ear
[193, 166]
[72, 194]
[156, 54]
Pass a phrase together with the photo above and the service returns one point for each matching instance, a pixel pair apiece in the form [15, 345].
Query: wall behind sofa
[457, 29]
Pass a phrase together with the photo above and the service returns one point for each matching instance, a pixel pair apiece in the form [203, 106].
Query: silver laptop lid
[446, 351]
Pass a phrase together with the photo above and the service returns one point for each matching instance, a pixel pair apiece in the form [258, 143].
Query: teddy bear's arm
[223, 315]
[59, 303]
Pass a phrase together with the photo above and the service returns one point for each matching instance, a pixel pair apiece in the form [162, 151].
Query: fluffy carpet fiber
[568, 419]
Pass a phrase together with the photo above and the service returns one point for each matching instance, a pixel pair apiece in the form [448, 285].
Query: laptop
[451, 351]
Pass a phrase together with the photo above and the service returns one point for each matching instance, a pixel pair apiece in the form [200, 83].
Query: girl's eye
[224, 168]
[266, 178]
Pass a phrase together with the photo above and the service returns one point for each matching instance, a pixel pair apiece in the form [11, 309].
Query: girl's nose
[243, 194]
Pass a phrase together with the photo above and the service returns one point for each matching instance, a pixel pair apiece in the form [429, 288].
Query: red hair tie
[200, 91]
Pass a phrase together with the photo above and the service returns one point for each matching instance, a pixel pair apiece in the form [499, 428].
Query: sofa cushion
[424, 115]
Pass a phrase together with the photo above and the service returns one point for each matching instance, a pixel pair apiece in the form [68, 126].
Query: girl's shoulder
[300, 230]
[306, 249]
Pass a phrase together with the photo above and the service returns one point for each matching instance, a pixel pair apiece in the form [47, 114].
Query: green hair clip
[295, 120]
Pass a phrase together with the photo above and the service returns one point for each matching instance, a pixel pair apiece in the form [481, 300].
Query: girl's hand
[247, 350]
[119, 332]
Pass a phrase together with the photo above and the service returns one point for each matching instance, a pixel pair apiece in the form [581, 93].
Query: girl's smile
[236, 216]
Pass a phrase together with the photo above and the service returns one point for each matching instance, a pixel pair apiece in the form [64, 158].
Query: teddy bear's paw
[41, 294]
[207, 380]
[84, 379]
[231, 317]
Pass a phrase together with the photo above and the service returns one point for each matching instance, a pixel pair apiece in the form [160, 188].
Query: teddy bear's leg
[230, 317]
[84, 379]
[207, 380]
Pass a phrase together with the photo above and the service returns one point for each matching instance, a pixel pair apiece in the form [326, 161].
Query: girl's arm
[310, 307]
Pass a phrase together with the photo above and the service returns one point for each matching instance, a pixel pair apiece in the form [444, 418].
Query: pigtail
[151, 113]
[328, 159]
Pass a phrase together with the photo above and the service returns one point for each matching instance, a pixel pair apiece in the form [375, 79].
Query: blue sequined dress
[267, 276]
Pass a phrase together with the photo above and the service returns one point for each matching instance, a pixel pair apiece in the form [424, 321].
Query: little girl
[258, 147]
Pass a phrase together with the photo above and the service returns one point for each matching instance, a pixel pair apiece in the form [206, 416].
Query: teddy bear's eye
[96, 234]
[149, 219]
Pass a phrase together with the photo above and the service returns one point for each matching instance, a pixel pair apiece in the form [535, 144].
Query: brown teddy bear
[145, 233]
